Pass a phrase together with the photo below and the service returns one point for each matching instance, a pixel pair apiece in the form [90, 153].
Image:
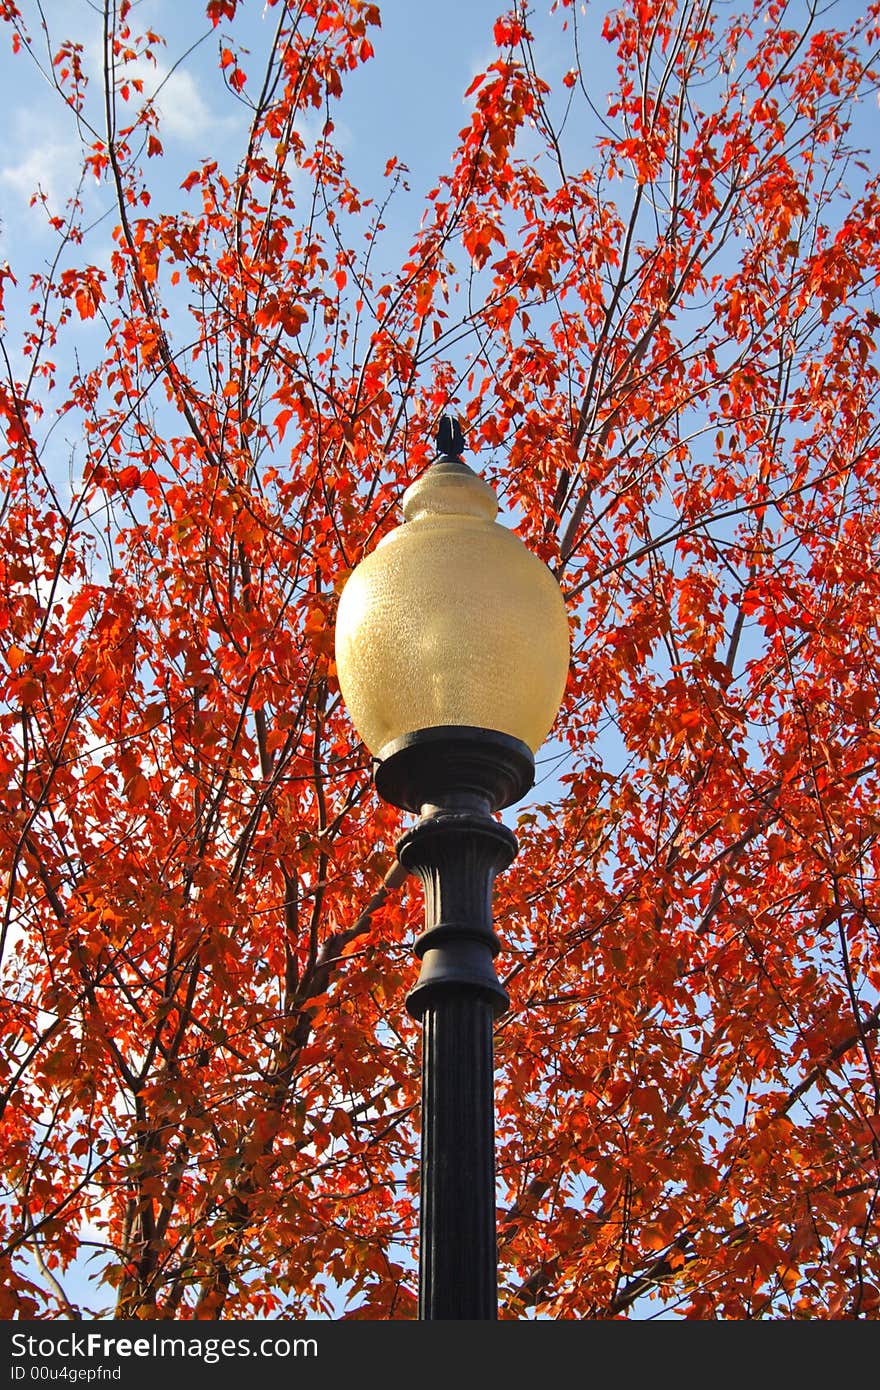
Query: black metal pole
[457, 777]
[458, 1258]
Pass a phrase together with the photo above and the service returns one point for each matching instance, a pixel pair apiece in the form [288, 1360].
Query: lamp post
[452, 652]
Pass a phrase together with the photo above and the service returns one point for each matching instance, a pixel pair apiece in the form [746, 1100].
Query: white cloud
[176, 93]
[45, 166]
[181, 107]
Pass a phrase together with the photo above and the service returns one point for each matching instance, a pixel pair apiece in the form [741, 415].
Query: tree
[656, 316]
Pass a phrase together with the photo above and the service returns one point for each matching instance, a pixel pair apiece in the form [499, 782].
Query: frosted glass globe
[451, 620]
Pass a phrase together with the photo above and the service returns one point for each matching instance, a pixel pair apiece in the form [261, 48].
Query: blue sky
[406, 101]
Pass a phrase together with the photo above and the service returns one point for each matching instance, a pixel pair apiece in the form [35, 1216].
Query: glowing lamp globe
[451, 634]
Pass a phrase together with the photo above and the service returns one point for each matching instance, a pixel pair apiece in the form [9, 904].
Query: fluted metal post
[458, 1258]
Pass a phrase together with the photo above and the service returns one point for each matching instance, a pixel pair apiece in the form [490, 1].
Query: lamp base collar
[454, 767]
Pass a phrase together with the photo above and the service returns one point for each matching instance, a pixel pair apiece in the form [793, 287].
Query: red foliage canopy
[657, 317]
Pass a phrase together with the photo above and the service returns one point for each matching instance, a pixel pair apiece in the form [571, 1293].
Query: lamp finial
[450, 440]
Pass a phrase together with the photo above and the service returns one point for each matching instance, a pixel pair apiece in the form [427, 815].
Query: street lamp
[452, 652]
